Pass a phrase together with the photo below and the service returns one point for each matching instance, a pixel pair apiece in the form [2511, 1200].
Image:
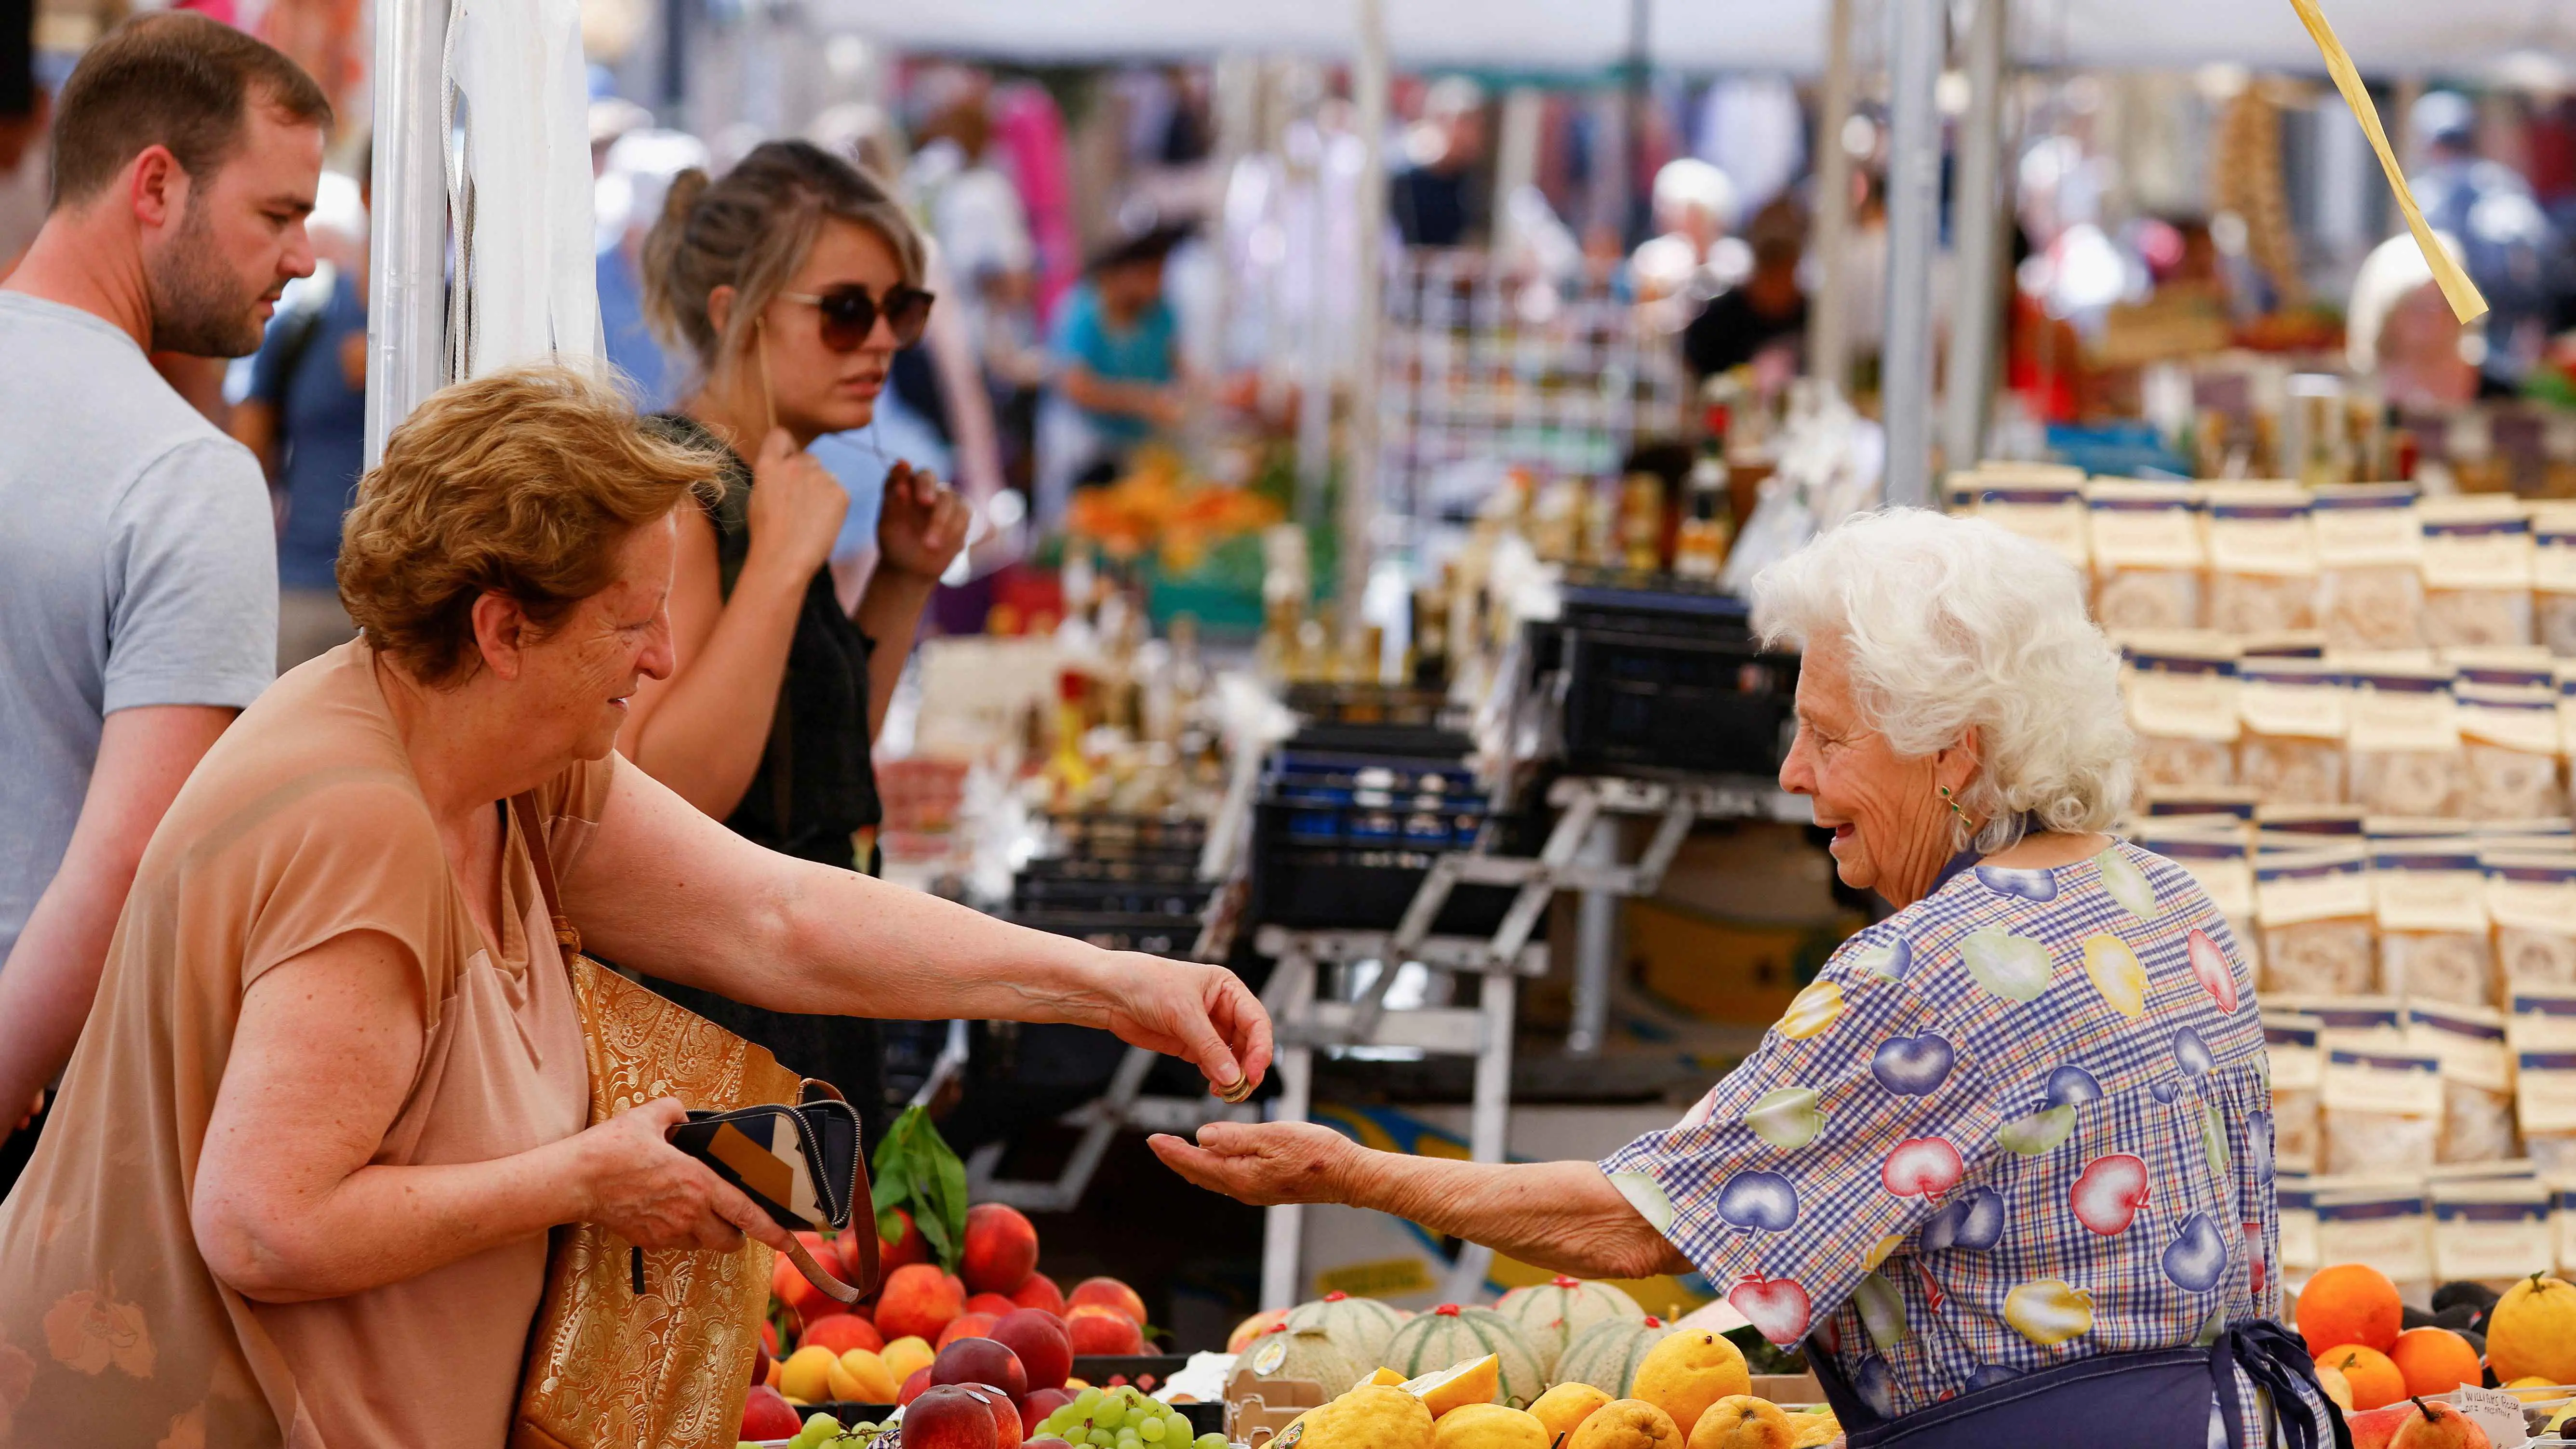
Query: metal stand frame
[1580, 854]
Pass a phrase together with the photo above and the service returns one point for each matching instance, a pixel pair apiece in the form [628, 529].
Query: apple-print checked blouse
[2019, 1123]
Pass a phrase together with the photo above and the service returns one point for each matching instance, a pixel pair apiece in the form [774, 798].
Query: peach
[967, 1325]
[1001, 1248]
[860, 1377]
[950, 1416]
[789, 1287]
[841, 1332]
[913, 1387]
[906, 1248]
[766, 1415]
[807, 1374]
[1042, 1402]
[980, 1361]
[992, 1303]
[1093, 1329]
[1006, 1420]
[1109, 1293]
[1040, 1292]
[906, 1354]
[919, 1301]
[1037, 1338]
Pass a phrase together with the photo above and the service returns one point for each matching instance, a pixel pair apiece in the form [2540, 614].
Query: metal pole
[1913, 223]
[1978, 227]
[407, 246]
[1369, 81]
[1596, 937]
[1828, 357]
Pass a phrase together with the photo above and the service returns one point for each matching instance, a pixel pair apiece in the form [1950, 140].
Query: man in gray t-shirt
[138, 561]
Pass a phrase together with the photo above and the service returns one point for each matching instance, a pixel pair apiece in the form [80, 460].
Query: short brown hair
[750, 231]
[176, 79]
[523, 483]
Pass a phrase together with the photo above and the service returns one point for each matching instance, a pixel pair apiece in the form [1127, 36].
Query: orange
[2375, 1381]
[2435, 1361]
[2349, 1303]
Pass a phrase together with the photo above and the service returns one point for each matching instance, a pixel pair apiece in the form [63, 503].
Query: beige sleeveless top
[303, 823]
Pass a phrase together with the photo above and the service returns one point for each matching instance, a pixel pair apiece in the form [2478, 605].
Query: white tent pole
[1828, 355]
[407, 237]
[1913, 221]
[1369, 83]
[1978, 227]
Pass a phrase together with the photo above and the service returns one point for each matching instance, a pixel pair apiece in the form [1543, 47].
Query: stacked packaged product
[2353, 732]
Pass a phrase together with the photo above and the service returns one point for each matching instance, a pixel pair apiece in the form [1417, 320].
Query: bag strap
[532, 828]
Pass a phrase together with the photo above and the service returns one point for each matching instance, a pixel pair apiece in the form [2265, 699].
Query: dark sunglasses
[850, 314]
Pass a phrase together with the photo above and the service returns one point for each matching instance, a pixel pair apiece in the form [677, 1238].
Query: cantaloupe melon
[1550, 1315]
[1284, 1353]
[1449, 1335]
[1606, 1355]
[1360, 1327]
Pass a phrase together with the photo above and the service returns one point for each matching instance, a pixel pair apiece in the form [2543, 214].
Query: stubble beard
[198, 308]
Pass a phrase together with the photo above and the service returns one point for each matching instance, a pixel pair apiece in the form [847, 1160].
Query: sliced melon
[1450, 1335]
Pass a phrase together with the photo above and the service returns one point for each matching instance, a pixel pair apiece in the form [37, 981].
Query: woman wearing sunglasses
[790, 282]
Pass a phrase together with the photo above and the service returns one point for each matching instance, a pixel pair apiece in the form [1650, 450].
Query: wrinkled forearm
[1563, 1216]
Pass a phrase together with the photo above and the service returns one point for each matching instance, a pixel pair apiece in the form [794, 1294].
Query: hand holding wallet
[801, 1165]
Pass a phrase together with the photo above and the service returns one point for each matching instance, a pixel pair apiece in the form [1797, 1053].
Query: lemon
[2532, 1331]
[1741, 1421]
[1473, 1382]
[1564, 1408]
[1627, 1424]
[1689, 1371]
[1385, 1378]
[1371, 1416]
[1489, 1426]
[1815, 1431]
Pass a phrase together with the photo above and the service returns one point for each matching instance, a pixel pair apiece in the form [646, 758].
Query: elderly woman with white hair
[2004, 1168]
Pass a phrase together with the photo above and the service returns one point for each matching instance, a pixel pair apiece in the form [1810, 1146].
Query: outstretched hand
[1202, 1014]
[1263, 1163]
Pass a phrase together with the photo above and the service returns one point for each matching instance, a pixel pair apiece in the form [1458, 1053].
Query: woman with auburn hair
[790, 281]
[333, 1095]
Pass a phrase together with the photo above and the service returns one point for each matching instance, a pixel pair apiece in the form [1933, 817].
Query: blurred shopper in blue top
[2507, 243]
[305, 418]
[1117, 352]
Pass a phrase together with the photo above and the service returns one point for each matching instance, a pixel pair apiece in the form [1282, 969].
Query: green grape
[1109, 1415]
[1152, 1431]
[1176, 1429]
[1103, 1438]
[1209, 1441]
[1088, 1399]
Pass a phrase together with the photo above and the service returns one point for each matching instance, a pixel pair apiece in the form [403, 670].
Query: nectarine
[919, 1300]
[1036, 1337]
[1001, 1248]
[1094, 1329]
[1109, 1293]
[1040, 1291]
[950, 1416]
[967, 1325]
[841, 1332]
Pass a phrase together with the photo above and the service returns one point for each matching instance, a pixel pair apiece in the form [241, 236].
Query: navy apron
[2158, 1399]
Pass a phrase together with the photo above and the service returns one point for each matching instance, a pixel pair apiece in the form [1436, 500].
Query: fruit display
[2376, 1355]
[1552, 1314]
[1450, 1335]
[1120, 1418]
[1157, 506]
[961, 1305]
[1688, 1371]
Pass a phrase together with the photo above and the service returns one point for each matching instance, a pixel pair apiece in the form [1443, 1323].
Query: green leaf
[917, 1171]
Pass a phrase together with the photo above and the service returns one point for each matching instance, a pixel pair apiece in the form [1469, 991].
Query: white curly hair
[1951, 624]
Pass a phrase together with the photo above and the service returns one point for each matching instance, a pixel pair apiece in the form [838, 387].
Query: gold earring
[1952, 802]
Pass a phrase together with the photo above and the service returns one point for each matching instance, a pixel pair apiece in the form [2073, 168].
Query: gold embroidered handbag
[634, 1347]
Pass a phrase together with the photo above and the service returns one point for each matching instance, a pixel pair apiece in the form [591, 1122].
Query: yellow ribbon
[2456, 287]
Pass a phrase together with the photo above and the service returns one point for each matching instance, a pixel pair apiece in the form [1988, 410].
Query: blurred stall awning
[2386, 36]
